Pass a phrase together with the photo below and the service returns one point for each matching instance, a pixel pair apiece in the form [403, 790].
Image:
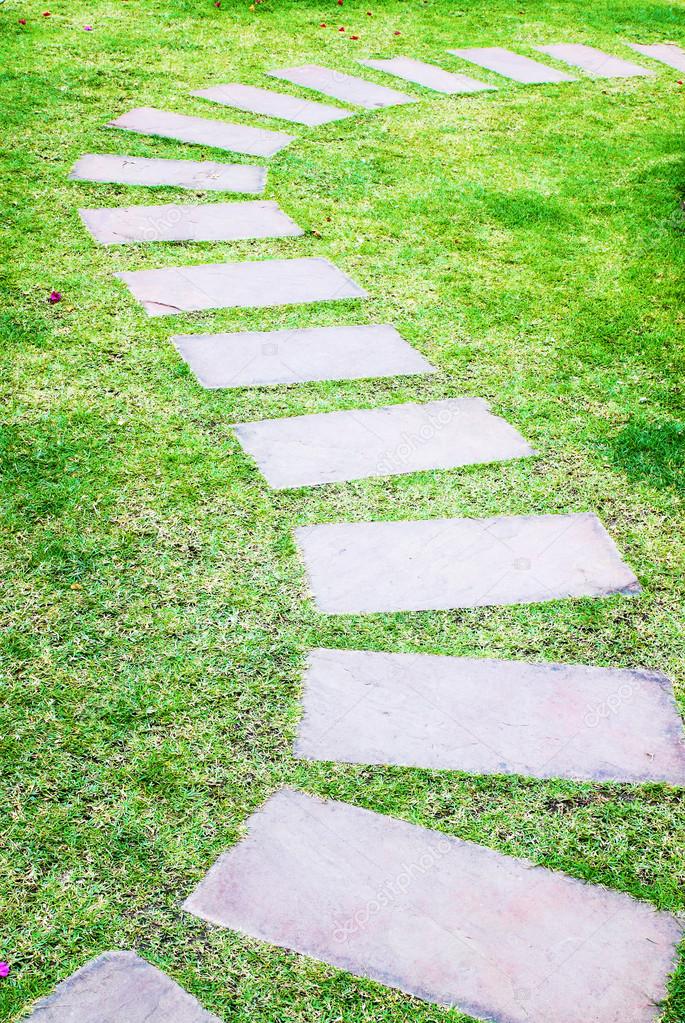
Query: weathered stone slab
[204, 175]
[267, 282]
[273, 104]
[120, 987]
[666, 53]
[257, 358]
[491, 717]
[593, 62]
[512, 65]
[344, 87]
[449, 921]
[301, 451]
[238, 138]
[366, 567]
[225, 221]
[430, 75]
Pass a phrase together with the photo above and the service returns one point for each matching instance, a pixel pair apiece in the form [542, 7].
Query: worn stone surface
[120, 987]
[273, 104]
[254, 358]
[594, 62]
[446, 920]
[238, 138]
[266, 282]
[512, 65]
[430, 75]
[666, 53]
[491, 717]
[225, 221]
[200, 175]
[347, 88]
[365, 567]
[299, 451]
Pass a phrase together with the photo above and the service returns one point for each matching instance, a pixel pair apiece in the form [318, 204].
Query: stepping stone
[256, 358]
[302, 451]
[267, 282]
[428, 74]
[512, 65]
[433, 564]
[120, 987]
[446, 920]
[593, 61]
[491, 717]
[225, 221]
[238, 138]
[273, 104]
[347, 88]
[667, 53]
[202, 175]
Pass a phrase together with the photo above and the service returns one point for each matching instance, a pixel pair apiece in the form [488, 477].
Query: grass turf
[155, 616]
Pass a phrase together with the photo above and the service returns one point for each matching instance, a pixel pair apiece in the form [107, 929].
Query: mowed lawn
[155, 618]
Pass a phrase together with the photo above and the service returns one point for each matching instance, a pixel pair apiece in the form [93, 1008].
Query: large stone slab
[594, 62]
[430, 75]
[225, 221]
[300, 451]
[666, 53]
[366, 567]
[267, 282]
[273, 104]
[238, 138]
[120, 987]
[512, 65]
[344, 87]
[491, 717]
[446, 920]
[203, 176]
[257, 358]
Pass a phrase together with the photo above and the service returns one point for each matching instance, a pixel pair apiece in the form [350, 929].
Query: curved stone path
[449, 921]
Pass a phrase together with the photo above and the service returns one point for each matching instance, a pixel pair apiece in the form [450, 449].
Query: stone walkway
[446, 920]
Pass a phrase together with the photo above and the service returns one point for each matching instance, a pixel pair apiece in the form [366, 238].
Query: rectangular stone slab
[347, 88]
[200, 175]
[430, 75]
[120, 987]
[594, 62]
[237, 138]
[273, 104]
[449, 921]
[512, 65]
[267, 282]
[433, 564]
[257, 358]
[301, 451]
[225, 221]
[666, 53]
[491, 717]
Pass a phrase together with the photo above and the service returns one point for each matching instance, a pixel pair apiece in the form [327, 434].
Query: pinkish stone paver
[221, 221]
[446, 920]
[199, 175]
[347, 88]
[119, 987]
[594, 62]
[432, 564]
[491, 717]
[273, 104]
[201, 131]
[330, 447]
[266, 282]
[665, 53]
[512, 65]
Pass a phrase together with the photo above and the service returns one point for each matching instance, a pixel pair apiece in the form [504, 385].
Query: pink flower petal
[4, 969]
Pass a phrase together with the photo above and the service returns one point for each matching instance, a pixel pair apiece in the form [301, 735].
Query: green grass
[155, 617]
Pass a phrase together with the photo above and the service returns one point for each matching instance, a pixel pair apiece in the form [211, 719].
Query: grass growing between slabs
[155, 619]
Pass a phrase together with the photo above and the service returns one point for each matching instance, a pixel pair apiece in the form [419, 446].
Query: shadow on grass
[651, 452]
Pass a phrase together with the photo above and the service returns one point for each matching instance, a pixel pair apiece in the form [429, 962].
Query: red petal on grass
[397, 33]
[22, 21]
[354, 37]
[341, 29]
[55, 296]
